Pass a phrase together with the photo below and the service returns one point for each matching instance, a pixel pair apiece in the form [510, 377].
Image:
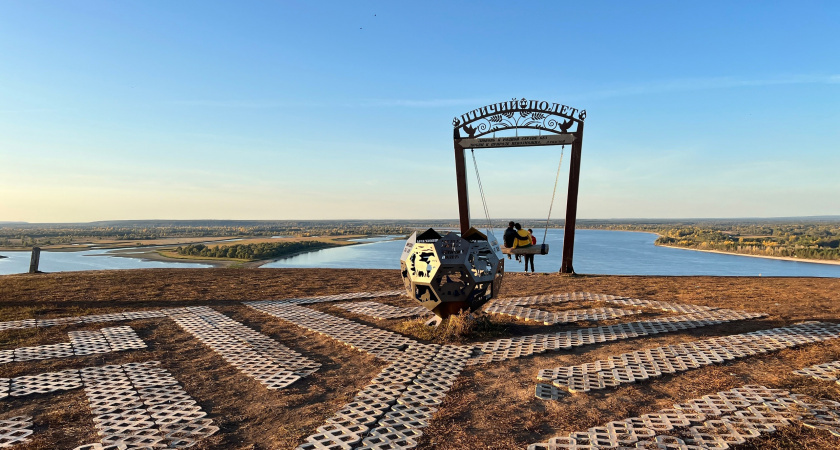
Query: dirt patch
[490, 406]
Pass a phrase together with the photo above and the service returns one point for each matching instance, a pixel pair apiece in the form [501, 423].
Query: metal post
[36, 258]
[571, 203]
[461, 180]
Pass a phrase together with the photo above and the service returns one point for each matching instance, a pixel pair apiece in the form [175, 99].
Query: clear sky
[342, 110]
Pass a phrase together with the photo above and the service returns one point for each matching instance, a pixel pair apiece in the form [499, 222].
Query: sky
[343, 110]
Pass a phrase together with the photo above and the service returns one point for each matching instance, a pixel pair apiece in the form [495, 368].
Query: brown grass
[490, 406]
[457, 329]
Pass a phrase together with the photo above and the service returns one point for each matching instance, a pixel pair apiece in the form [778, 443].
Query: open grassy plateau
[489, 404]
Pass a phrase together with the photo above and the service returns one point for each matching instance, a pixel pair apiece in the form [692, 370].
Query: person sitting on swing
[510, 235]
[522, 240]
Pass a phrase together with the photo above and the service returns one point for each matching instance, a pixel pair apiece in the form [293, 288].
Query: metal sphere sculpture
[447, 274]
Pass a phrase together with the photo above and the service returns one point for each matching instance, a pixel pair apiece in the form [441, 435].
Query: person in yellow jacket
[523, 238]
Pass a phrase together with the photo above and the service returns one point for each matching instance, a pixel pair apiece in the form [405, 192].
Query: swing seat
[539, 249]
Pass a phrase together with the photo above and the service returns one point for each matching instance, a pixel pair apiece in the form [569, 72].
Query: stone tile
[15, 430]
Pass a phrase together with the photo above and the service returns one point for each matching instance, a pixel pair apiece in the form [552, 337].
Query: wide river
[596, 252]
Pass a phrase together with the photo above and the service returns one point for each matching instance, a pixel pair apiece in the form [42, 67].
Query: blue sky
[343, 110]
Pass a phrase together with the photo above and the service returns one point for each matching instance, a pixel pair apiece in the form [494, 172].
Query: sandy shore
[783, 258]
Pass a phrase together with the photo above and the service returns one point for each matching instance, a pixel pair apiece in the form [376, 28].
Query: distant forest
[252, 251]
[810, 241]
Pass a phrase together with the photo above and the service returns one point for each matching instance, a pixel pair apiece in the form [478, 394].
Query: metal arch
[522, 113]
[531, 114]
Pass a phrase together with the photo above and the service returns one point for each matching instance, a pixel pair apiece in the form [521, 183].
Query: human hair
[510, 224]
[518, 226]
[530, 231]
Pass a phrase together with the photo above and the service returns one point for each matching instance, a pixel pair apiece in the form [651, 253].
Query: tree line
[251, 252]
[811, 241]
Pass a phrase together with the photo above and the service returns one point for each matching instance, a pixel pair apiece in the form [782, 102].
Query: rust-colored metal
[461, 180]
[571, 205]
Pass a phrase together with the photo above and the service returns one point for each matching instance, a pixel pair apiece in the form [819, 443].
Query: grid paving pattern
[45, 383]
[516, 307]
[15, 430]
[94, 318]
[713, 421]
[552, 318]
[383, 311]
[510, 348]
[339, 297]
[553, 298]
[141, 405]
[664, 306]
[829, 371]
[383, 344]
[101, 447]
[652, 363]
[392, 410]
[165, 312]
[106, 340]
[272, 364]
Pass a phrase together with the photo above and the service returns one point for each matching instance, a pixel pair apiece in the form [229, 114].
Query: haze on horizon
[333, 110]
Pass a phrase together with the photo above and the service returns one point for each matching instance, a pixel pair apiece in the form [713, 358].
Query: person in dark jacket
[510, 236]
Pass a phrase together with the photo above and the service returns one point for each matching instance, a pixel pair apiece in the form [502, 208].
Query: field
[489, 404]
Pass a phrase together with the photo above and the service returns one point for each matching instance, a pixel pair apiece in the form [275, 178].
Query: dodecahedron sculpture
[447, 274]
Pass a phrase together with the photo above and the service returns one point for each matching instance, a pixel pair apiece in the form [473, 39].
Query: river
[596, 252]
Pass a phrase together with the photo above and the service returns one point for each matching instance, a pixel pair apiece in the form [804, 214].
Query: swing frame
[562, 124]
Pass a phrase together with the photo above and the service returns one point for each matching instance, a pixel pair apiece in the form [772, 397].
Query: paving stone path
[15, 430]
[553, 298]
[711, 422]
[829, 371]
[106, 340]
[393, 409]
[553, 318]
[135, 405]
[165, 312]
[383, 311]
[272, 364]
[141, 405]
[340, 297]
[516, 307]
[652, 363]
[510, 348]
[383, 344]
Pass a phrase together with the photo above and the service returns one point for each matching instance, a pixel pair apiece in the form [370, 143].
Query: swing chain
[551, 205]
[481, 190]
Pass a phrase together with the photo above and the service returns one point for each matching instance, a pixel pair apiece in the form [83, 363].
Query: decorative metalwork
[447, 274]
[522, 113]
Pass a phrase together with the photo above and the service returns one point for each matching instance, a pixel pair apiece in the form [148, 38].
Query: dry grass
[458, 329]
[490, 406]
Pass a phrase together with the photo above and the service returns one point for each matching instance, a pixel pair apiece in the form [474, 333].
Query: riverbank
[780, 258]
